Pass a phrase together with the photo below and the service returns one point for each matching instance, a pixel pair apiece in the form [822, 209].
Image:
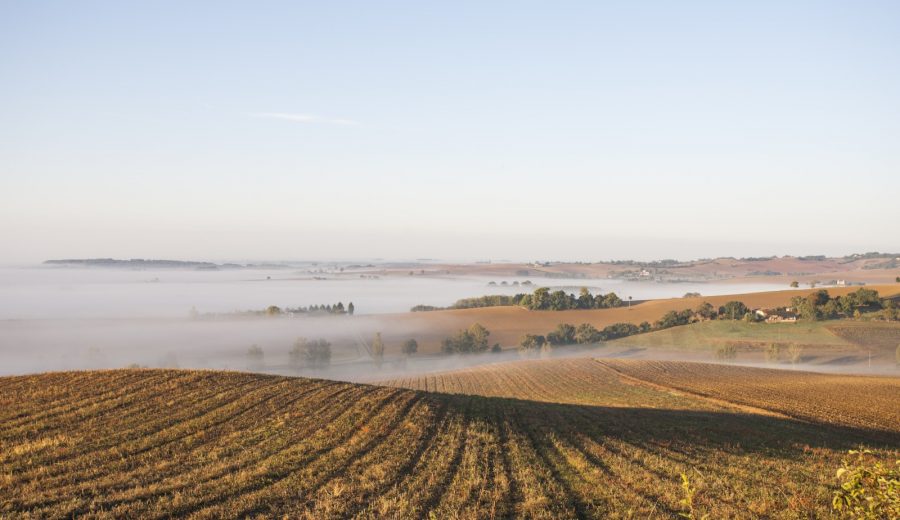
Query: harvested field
[567, 438]
[861, 402]
[883, 336]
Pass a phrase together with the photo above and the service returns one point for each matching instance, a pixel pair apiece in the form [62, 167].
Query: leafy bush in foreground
[868, 490]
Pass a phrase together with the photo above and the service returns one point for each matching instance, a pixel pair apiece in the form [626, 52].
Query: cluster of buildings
[777, 315]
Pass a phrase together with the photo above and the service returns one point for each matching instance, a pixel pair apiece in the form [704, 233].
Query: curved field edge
[864, 402]
[162, 443]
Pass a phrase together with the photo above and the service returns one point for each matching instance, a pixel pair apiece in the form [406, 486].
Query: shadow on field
[681, 431]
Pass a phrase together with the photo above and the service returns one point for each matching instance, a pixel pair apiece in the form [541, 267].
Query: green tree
[273, 310]
[540, 300]
[705, 311]
[586, 333]
[585, 299]
[819, 297]
[559, 301]
[733, 310]
[531, 343]
[472, 340]
[410, 347]
[611, 301]
[350, 308]
[313, 354]
[830, 310]
[479, 336]
[618, 330]
[795, 284]
[378, 350]
[564, 334]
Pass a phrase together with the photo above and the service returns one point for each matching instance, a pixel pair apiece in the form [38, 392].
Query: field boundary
[713, 400]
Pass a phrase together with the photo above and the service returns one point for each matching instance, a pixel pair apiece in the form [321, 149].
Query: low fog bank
[28, 346]
[32, 346]
[69, 293]
[74, 319]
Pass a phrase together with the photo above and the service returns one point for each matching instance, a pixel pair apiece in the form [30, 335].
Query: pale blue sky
[468, 130]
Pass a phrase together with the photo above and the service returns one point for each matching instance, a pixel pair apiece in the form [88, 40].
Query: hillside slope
[588, 443]
[508, 324]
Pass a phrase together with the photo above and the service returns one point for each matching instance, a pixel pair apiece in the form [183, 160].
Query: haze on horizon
[510, 130]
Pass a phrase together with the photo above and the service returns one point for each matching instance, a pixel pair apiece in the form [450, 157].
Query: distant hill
[138, 263]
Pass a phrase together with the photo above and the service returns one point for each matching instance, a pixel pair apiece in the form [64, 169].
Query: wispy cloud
[306, 118]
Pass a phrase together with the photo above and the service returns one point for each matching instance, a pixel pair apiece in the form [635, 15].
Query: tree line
[337, 308]
[584, 334]
[542, 299]
[473, 340]
[819, 305]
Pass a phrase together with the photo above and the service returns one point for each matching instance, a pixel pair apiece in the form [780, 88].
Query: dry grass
[538, 439]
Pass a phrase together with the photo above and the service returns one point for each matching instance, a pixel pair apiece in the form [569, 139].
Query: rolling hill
[536, 439]
[508, 324]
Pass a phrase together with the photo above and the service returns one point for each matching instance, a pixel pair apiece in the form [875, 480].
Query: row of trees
[310, 353]
[338, 308]
[819, 305]
[304, 353]
[542, 299]
[584, 334]
[473, 340]
[409, 348]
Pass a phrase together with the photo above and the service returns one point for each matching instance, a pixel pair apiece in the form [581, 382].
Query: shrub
[564, 334]
[733, 310]
[687, 501]
[587, 333]
[795, 353]
[726, 352]
[410, 347]
[546, 350]
[619, 330]
[867, 490]
[255, 352]
[674, 318]
[314, 354]
[531, 343]
[473, 340]
[773, 353]
[378, 350]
